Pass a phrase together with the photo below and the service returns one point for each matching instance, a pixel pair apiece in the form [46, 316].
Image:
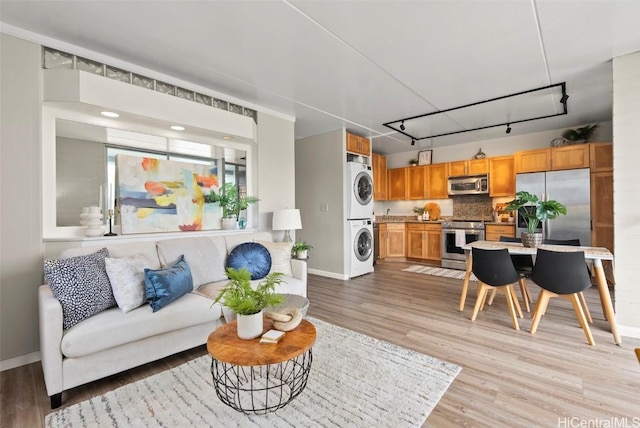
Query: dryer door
[363, 244]
[363, 188]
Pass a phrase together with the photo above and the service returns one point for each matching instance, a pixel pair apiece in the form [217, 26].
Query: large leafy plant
[231, 201]
[541, 211]
[239, 296]
[580, 134]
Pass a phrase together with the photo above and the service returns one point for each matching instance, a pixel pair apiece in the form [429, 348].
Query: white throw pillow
[280, 256]
[127, 280]
[206, 257]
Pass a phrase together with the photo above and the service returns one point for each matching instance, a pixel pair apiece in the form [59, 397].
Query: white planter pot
[302, 254]
[250, 326]
[229, 223]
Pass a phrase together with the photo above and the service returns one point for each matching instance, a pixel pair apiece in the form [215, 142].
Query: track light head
[508, 129]
[564, 99]
[402, 127]
[413, 142]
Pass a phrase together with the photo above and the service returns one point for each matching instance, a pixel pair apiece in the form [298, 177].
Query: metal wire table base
[261, 389]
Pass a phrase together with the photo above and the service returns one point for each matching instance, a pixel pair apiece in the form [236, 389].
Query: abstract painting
[157, 195]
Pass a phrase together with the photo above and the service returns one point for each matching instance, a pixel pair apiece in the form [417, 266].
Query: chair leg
[482, 293]
[516, 303]
[541, 307]
[575, 300]
[525, 294]
[492, 296]
[508, 292]
[585, 308]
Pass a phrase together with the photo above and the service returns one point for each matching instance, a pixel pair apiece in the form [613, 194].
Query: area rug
[436, 271]
[355, 381]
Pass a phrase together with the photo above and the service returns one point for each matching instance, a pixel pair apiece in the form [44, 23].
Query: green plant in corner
[544, 210]
[239, 296]
[300, 248]
[580, 134]
[230, 200]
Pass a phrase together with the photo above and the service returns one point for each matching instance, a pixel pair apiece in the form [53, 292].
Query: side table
[257, 378]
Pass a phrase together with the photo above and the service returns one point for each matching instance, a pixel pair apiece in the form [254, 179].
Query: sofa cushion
[164, 286]
[81, 285]
[127, 280]
[205, 256]
[280, 256]
[112, 328]
[251, 256]
[148, 248]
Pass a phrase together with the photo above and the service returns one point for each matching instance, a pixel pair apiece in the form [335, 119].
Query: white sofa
[112, 341]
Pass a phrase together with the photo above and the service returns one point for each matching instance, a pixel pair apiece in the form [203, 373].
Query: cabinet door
[478, 166]
[379, 166]
[353, 143]
[602, 209]
[415, 241]
[601, 157]
[417, 182]
[533, 160]
[396, 184]
[457, 168]
[502, 179]
[437, 181]
[570, 157]
[365, 146]
[382, 243]
[493, 232]
[433, 250]
[396, 240]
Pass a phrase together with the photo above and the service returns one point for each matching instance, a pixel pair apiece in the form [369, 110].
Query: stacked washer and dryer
[360, 218]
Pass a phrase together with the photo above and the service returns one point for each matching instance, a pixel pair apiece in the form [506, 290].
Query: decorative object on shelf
[232, 203]
[580, 135]
[301, 249]
[559, 142]
[533, 211]
[480, 154]
[425, 157]
[83, 216]
[413, 162]
[94, 222]
[419, 211]
[247, 303]
[110, 222]
[287, 319]
[287, 219]
[433, 210]
[242, 223]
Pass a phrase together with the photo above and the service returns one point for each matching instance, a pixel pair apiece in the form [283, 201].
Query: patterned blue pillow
[251, 256]
[163, 286]
[81, 285]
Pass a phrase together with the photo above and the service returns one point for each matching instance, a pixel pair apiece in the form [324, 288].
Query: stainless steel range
[455, 234]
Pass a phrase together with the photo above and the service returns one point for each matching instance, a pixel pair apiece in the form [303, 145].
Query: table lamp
[286, 219]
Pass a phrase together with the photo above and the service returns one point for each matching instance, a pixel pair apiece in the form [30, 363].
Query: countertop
[385, 219]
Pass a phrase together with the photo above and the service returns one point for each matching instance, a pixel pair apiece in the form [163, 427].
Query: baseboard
[21, 360]
[629, 331]
[328, 274]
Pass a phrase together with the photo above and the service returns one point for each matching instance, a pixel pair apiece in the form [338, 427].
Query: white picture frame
[425, 157]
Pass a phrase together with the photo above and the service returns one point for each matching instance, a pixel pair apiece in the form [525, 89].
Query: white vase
[250, 326]
[94, 222]
[302, 254]
[229, 223]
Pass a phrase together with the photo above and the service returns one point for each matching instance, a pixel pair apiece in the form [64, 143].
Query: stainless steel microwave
[469, 185]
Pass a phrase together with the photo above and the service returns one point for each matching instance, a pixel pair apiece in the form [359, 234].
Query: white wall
[20, 221]
[626, 205]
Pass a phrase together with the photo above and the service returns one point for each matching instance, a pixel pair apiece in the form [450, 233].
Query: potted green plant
[413, 162]
[247, 302]
[300, 249]
[419, 212]
[580, 135]
[232, 203]
[533, 211]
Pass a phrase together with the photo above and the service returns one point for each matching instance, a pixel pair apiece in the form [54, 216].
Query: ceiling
[359, 64]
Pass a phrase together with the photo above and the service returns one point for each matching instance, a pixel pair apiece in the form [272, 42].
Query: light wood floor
[509, 378]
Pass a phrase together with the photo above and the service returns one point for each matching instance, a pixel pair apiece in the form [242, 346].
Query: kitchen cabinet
[379, 166]
[382, 241]
[493, 232]
[457, 168]
[533, 160]
[424, 241]
[502, 178]
[469, 167]
[417, 182]
[570, 157]
[437, 184]
[600, 157]
[397, 184]
[602, 230]
[359, 145]
[396, 240]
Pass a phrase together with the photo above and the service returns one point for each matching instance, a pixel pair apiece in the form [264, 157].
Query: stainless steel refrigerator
[572, 189]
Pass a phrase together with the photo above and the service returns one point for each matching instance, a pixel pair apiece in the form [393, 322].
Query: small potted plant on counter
[533, 211]
[300, 250]
[419, 212]
[247, 303]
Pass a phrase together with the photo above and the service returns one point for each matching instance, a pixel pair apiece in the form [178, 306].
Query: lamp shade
[287, 219]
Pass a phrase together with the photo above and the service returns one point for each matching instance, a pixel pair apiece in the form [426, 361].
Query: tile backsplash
[472, 207]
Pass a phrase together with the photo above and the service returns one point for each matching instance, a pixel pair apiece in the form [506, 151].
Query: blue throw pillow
[251, 256]
[163, 286]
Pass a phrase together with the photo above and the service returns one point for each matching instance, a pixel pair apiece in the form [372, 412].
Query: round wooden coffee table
[254, 377]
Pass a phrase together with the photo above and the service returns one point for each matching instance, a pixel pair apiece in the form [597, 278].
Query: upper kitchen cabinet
[570, 157]
[437, 181]
[469, 167]
[601, 157]
[457, 168]
[397, 184]
[379, 165]
[417, 182]
[533, 160]
[502, 178]
[359, 145]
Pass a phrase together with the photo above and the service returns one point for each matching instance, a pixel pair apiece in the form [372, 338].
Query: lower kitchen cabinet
[493, 232]
[424, 241]
[382, 241]
[396, 240]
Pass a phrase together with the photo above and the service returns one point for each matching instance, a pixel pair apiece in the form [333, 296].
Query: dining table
[593, 254]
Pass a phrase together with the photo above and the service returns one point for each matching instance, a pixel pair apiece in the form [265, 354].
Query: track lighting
[413, 142]
[508, 128]
[402, 127]
[564, 98]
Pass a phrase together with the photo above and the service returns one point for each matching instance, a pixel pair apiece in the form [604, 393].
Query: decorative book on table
[272, 336]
